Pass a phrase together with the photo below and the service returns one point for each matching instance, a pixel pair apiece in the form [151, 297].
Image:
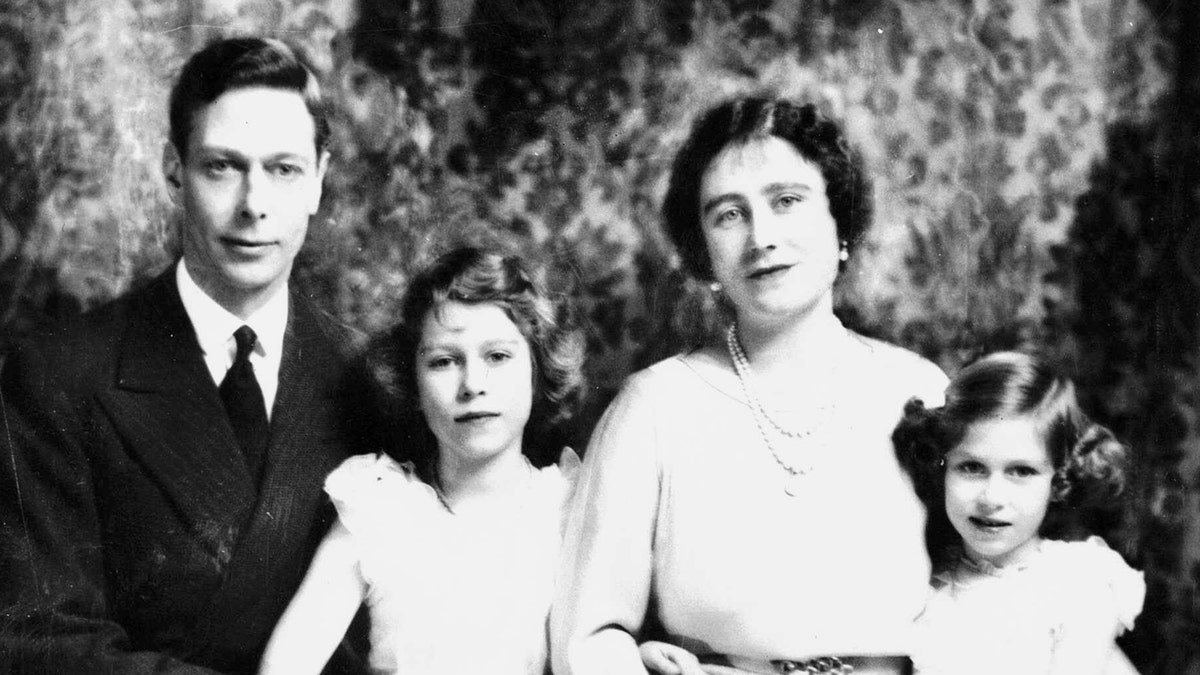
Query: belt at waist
[834, 665]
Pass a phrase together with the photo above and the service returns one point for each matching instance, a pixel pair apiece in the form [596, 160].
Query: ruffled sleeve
[370, 492]
[1127, 585]
[1106, 581]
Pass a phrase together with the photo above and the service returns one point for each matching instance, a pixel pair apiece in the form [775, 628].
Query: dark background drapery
[1037, 171]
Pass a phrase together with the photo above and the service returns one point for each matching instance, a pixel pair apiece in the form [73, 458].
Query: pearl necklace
[741, 366]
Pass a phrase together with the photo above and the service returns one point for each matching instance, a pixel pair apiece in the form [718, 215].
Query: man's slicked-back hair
[239, 63]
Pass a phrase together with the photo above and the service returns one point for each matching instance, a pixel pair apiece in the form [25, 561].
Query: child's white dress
[453, 593]
[983, 620]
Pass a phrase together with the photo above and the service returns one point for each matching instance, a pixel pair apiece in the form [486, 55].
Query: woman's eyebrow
[713, 202]
[772, 188]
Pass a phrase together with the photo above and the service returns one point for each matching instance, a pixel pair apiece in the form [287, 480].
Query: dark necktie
[243, 401]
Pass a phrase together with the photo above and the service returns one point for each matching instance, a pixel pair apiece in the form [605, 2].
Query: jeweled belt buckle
[825, 665]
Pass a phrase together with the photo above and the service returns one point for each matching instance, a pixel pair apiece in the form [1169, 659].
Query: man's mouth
[244, 243]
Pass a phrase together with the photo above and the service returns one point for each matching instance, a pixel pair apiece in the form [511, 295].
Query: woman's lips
[766, 272]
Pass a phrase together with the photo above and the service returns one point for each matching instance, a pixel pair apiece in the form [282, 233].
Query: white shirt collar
[214, 325]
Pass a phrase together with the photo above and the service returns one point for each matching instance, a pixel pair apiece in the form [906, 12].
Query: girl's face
[474, 381]
[998, 483]
[771, 238]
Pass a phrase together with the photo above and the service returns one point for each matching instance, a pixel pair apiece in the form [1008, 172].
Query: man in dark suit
[160, 485]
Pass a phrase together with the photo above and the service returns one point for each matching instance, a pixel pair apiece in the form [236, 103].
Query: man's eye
[287, 170]
[218, 166]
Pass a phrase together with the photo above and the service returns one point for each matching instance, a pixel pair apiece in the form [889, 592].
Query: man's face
[250, 182]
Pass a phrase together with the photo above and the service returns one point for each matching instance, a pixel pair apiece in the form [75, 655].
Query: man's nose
[254, 195]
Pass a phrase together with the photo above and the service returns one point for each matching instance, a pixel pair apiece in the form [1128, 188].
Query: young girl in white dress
[454, 552]
[1001, 468]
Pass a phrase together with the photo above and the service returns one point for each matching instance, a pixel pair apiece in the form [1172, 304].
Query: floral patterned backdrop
[1036, 182]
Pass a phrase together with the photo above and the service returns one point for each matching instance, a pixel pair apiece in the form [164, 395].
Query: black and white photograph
[600, 337]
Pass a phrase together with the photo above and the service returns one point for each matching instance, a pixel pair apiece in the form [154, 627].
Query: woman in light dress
[740, 508]
[454, 552]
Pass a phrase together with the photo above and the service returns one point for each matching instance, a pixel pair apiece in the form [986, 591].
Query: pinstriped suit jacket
[131, 536]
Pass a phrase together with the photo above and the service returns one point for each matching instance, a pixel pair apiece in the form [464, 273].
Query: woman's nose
[764, 230]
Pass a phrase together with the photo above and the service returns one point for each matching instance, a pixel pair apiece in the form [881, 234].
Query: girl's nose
[991, 493]
[474, 381]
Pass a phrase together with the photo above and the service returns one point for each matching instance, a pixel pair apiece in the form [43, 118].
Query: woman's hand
[667, 659]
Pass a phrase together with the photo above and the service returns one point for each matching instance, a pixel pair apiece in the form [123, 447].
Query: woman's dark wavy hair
[738, 121]
[477, 276]
[239, 63]
[1090, 464]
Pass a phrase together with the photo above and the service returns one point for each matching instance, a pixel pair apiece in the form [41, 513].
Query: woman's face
[474, 380]
[771, 238]
[998, 486]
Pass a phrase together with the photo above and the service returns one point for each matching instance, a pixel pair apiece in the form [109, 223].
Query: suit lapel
[168, 409]
[292, 511]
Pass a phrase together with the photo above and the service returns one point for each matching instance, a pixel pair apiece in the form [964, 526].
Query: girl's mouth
[989, 524]
[475, 416]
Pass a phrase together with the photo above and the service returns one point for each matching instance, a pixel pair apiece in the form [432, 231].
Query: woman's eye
[439, 362]
[788, 201]
[498, 357]
[729, 216]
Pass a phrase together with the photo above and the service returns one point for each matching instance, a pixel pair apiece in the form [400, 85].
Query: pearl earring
[715, 287]
[844, 251]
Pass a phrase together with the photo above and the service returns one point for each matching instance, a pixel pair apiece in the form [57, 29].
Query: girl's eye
[969, 468]
[440, 362]
[1024, 471]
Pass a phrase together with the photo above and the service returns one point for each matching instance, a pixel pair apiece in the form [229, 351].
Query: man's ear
[322, 166]
[172, 168]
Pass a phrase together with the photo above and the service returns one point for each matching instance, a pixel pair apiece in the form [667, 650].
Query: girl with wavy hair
[454, 552]
[1006, 467]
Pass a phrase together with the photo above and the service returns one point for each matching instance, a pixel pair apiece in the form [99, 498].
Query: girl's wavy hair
[475, 275]
[1090, 464]
[735, 122]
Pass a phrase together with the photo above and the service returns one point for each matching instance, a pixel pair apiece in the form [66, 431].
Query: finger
[687, 664]
[656, 660]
